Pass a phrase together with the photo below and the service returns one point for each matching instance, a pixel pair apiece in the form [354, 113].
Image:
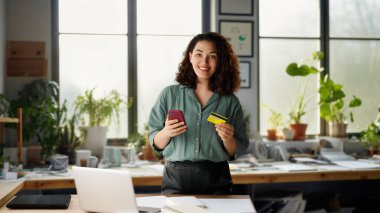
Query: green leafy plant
[371, 135]
[42, 114]
[302, 70]
[4, 106]
[332, 107]
[68, 138]
[275, 119]
[4, 159]
[136, 140]
[93, 111]
[68, 135]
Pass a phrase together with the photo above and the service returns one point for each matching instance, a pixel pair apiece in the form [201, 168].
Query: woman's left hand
[225, 131]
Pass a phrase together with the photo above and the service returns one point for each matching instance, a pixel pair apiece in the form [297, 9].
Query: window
[289, 32]
[93, 50]
[94, 45]
[161, 41]
[354, 54]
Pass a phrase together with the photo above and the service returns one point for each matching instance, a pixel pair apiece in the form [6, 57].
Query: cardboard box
[26, 67]
[26, 49]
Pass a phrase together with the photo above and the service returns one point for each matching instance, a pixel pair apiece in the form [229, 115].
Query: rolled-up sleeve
[157, 118]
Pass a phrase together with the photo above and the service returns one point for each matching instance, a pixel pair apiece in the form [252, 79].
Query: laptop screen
[104, 190]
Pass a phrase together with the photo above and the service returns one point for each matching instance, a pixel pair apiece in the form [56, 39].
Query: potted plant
[68, 138]
[95, 114]
[371, 137]
[4, 106]
[274, 121]
[298, 110]
[142, 146]
[332, 106]
[287, 132]
[41, 114]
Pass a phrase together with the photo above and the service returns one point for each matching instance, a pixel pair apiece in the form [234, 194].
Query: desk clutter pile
[322, 154]
[297, 202]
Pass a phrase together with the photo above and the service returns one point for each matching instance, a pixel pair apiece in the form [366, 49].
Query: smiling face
[204, 60]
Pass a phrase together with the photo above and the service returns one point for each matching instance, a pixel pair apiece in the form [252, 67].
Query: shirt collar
[190, 92]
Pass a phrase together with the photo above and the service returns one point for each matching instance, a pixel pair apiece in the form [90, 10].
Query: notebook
[40, 202]
[106, 190]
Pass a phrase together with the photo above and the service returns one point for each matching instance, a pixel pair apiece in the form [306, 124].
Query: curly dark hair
[226, 79]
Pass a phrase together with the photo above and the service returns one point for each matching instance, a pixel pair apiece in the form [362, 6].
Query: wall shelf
[18, 121]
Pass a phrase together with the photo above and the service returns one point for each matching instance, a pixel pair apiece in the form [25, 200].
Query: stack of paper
[190, 204]
[293, 167]
[183, 209]
[333, 155]
[356, 165]
[174, 204]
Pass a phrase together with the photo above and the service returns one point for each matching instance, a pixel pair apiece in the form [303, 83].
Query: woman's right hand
[173, 127]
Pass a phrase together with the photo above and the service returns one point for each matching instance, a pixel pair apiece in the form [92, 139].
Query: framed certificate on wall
[236, 7]
[245, 74]
[240, 35]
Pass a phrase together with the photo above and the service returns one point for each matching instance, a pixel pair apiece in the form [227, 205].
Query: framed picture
[236, 7]
[245, 74]
[240, 35]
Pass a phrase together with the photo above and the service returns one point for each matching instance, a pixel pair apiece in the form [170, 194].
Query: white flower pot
[96, 139]
[288, 134]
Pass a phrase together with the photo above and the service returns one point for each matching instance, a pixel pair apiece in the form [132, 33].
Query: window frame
[132, 51]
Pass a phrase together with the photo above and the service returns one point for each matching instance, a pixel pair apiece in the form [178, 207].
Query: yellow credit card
[216, 118]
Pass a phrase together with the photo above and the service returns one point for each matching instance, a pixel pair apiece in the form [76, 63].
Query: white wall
[2, 44]
[27, 21]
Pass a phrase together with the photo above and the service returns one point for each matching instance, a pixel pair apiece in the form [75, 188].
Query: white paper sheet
[293, 167]
[356, 165]
[229, 205]
[213, 205]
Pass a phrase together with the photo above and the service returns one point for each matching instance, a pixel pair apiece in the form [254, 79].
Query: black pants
[203, 177]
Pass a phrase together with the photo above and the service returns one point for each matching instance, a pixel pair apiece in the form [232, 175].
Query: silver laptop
[105, 190]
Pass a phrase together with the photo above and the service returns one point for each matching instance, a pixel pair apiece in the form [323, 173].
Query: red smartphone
[176, 114]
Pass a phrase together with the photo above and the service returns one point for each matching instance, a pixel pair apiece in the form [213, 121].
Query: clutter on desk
[59, 162]
[308, 160]
[331, 155]
[323, 153]
[294, 167]
[115, 156]
[11, 172]
[281, 202]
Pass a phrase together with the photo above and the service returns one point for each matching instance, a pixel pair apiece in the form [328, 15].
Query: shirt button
[197, 124]
[196, 138]
[196, 151]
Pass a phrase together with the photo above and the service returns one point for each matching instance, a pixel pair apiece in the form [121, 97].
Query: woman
[196, 151]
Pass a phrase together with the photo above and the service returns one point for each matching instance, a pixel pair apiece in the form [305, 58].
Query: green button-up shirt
[200, 141]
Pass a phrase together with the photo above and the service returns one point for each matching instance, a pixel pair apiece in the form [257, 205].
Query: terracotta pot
[299, 131]
[148, 152]
[372, 150]
[272, 134]
[337, 129]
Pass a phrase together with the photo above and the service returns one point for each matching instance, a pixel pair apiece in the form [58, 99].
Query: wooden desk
[250, 177]
[148, 177]
[8, 190]
[74, 203]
